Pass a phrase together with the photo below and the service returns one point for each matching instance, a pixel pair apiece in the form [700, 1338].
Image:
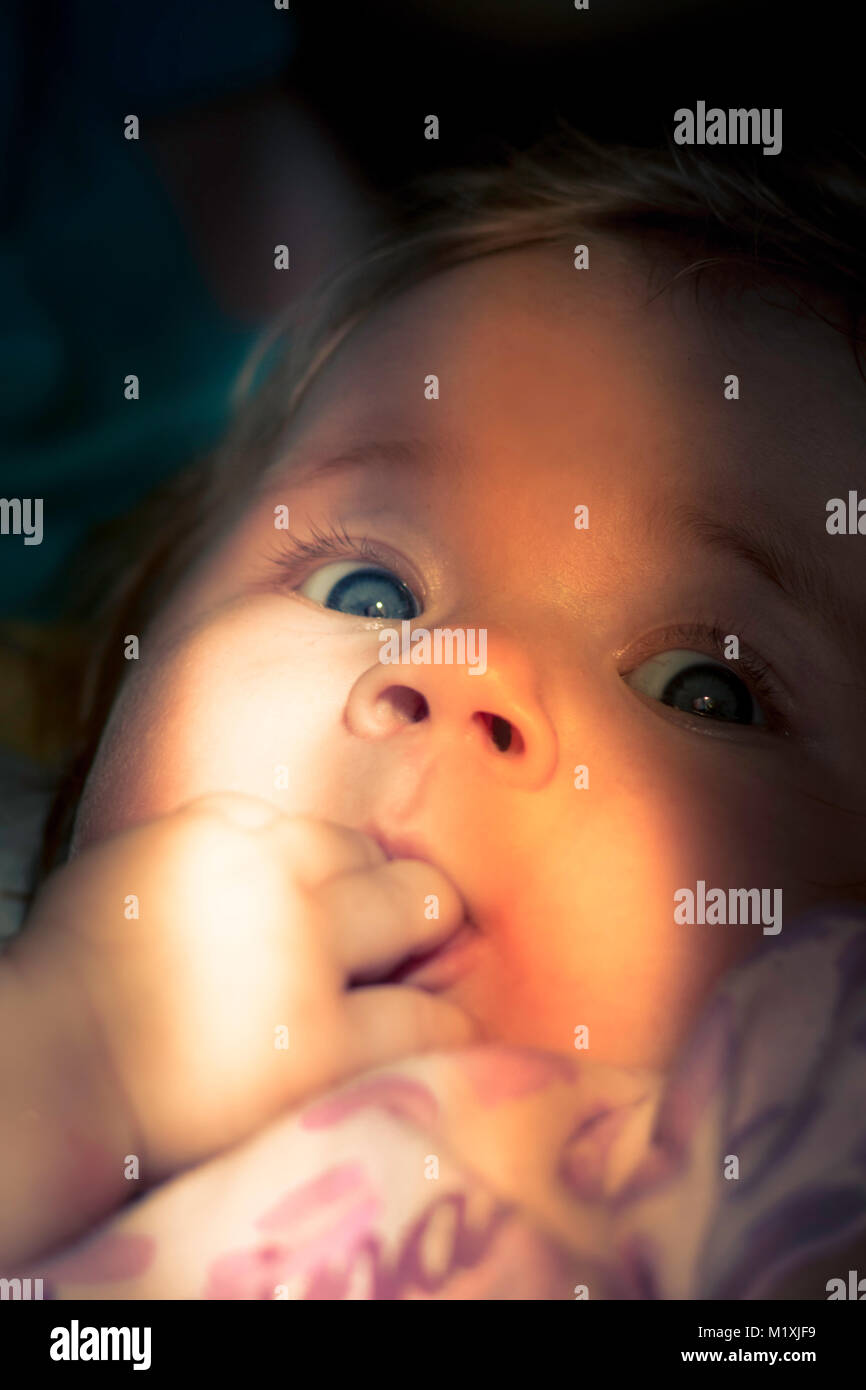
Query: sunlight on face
[582, 492]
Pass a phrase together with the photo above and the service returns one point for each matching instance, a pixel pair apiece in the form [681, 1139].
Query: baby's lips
[440, 960]
[457, 943]
[408, 846]
[415, 958]
[398, 846]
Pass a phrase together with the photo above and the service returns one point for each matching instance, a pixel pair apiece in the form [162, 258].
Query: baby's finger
[313, 850]
[379, 916]
[393, 1021]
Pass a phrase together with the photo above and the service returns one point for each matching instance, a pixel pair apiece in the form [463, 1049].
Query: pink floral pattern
[510, 1173]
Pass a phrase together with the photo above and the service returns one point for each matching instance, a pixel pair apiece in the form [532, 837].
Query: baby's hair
[702, 214]
[805, 230]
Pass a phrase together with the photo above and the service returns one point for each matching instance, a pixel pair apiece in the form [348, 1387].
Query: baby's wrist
[67, 1134]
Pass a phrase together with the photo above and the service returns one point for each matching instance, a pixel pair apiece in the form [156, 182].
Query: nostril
[409, 705]
[500, 732]
[503, 734]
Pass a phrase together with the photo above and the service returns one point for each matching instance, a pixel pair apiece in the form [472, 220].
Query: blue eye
[363, 590]
[696, 684]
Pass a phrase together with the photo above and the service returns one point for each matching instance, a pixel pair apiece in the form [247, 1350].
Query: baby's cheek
[657, 948]
[592, 947]
[238, 706]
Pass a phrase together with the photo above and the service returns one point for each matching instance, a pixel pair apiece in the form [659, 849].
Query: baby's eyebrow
[799, 571]
[394, 452]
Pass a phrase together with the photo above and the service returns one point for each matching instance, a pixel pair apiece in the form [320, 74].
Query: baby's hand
[249, 925]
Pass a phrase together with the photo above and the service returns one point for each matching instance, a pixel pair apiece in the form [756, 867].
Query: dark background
[261, 127]
[618, 70]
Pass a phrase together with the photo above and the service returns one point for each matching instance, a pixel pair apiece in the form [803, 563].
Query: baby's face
[606, 643]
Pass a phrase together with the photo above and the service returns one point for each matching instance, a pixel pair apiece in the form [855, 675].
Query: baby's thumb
[394, 1021]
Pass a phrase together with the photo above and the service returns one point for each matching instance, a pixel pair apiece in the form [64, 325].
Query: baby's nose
[497, 715]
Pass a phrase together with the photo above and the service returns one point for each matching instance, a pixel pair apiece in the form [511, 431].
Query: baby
[525, 425]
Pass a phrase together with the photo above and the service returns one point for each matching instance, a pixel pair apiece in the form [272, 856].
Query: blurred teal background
[98, 276]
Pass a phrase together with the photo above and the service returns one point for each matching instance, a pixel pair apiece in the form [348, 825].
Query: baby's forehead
[522, 351]
[479, 408]
[476, 316]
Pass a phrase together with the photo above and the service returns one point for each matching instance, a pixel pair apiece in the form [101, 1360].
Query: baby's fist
[212, 952]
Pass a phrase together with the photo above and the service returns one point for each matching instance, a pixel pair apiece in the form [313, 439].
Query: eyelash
[294, 554]
[715, 633]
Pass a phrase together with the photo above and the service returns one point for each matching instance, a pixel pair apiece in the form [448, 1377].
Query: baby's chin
[474, 980]
[466, 972]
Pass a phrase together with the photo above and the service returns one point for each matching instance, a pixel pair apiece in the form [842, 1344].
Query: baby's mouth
[443, 965]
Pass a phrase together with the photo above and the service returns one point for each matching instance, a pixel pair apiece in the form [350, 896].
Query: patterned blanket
[510, 1173]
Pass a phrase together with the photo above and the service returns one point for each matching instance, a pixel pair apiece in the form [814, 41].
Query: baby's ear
[810, 1281]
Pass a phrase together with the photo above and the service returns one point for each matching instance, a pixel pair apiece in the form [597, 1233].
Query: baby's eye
[357, 587]
[696, 684]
